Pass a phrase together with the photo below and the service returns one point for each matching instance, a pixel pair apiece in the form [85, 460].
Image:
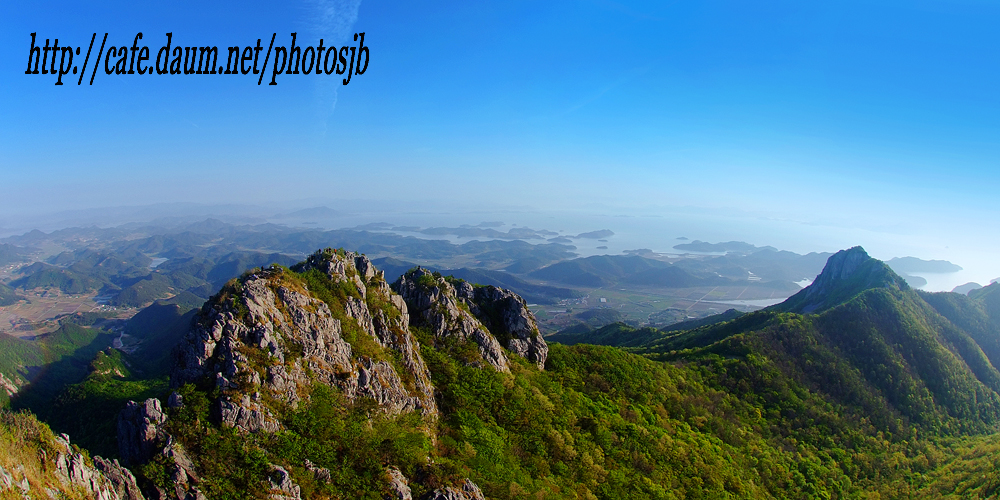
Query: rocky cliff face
[139, 430]
[267, 335]
[506, 315]
[490, 317]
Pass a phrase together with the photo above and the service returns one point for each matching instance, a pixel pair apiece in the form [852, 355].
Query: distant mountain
[728, 315]
[605, 270]
[729, 246]
[989, 297]
[986, 291]
[41, 275]
[909, 265]
[208, 226]
[8, 296]
[10, 254]
[309, 213]
[596, 235]
[913, 281]
[966, 288]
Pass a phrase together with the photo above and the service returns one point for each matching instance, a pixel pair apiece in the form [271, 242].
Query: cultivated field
[36, 315]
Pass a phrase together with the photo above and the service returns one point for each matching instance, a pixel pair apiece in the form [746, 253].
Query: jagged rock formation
[266, 335]
[435, 306]
[507, 317]
[106, 480]
[139, 431]
[39, 464]
[122, 479]
[141, 436]
[8, 482]
[399, 489]
[467, 491]
[183, 474]
[490, 317]
[320, 474]
[269, 336]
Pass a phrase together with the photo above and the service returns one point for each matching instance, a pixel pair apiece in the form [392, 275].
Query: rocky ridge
[266, 338]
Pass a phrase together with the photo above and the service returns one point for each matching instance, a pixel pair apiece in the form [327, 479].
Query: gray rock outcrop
[266, 336]
[508, 318]
[139, 431]
[399, 487]
[282, 486]
[9, 482]
[433, 304]
[320, 474]
[141, 437]
[465, 491]
[490, 317]
[182, 473]
[120, 477]
[72, 468]
[11, 385]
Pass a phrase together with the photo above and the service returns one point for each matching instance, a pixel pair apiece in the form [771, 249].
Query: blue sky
[877, 114]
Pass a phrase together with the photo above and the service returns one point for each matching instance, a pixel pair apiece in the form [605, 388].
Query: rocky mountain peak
[843, 264]
[272, 333]
[846, 274]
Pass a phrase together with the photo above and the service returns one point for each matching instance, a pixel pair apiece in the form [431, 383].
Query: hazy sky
[881, 115]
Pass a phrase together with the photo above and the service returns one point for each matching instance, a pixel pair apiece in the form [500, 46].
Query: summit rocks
[490, 317]
[267, 336]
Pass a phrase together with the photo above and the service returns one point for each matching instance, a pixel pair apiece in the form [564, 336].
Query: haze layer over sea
[659, 233]
[659, 230]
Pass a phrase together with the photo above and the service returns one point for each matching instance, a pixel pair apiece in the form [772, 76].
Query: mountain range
[324, 379]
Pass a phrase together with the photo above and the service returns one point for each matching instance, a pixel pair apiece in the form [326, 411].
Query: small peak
[843, 264]
[846, 274]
